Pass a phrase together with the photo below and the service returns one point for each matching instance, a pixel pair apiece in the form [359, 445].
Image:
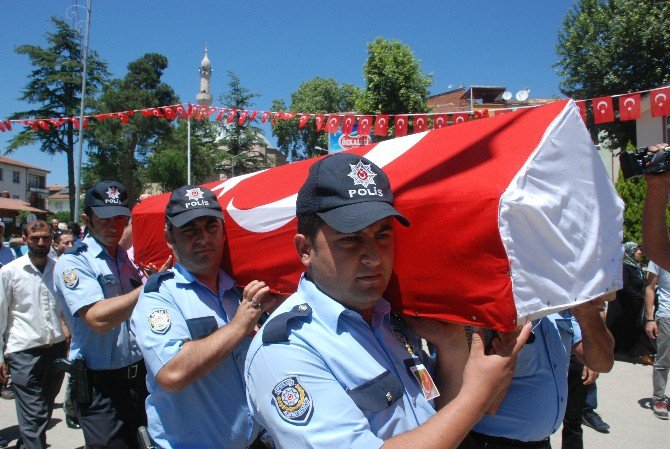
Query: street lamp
[72, 13]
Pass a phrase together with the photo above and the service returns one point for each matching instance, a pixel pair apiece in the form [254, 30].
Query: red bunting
[381, 125]
[333, 123]
[459, 117]
[2, 127]
[219, 116]
[253, 115]
[420, 123]
[400, 125]
[43, 124]
[7, 124]
[660, 102]
[320, 119]
[168, 112]
[231, 116]
[440, 121]
[180, 111]
[481, 113]
[287, 115]
[31, 124]
[243, 117]
[264, 117]
[364, 124]
[603, 111]
[348, 123]
[582, 109]
[629, 107]
[304, 118]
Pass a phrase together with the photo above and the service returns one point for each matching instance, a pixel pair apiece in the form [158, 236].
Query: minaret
[204, 97]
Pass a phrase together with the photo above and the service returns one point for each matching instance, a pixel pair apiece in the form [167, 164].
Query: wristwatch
[649, 321]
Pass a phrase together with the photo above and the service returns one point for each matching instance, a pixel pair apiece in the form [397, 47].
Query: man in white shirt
[31, 335]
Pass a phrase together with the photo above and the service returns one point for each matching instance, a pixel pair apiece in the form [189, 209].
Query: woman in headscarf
[624, 314]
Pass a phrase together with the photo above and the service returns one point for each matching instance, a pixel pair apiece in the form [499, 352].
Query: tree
[54, 86]
[318, 95]
[240, 141]
[610, 47]
[120, 150]
[394, 82]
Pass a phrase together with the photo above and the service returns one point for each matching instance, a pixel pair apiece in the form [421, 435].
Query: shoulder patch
[154, 282]
[76, 248]
[276, 328]
[70, 278]
[292, 400]
[159, 321]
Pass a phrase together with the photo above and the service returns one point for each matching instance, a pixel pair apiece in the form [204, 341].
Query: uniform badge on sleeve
[70, 278]
[293, 402]
[159, 321]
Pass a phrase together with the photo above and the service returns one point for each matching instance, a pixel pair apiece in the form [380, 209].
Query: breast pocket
[201, 327]
[110, 284]
[378, 393]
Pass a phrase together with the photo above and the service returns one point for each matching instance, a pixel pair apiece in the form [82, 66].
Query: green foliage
[609, 47]
[121, 151]
[54, 87]
[62, 217]
[632, 192]
[394, 81]
[318, 95]
[240, 141]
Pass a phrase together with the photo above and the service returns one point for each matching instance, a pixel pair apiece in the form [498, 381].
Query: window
[0, 174]
[59, 205]
[16, 197]
[16, 176]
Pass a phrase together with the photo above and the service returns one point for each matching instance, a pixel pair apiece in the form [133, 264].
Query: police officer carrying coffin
[328, 370]
[99, 287]
[194, 333]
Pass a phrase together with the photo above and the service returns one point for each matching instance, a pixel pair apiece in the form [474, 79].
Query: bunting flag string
[629, 108]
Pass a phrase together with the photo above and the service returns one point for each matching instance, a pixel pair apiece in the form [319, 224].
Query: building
[58, 199]
[651, 130]
[479, 97]
[23, 182]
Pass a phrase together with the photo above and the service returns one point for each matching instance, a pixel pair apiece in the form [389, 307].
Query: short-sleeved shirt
[6, 254]
[319, 376]
[663, 291]
[534, 406]
[84, 275]
[211, 412]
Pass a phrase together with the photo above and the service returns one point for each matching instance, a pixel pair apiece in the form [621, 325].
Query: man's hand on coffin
[256, 299]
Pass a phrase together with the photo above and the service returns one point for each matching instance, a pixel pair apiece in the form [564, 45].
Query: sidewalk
[623, 397]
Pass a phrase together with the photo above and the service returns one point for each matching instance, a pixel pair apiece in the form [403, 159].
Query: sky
[273, 46]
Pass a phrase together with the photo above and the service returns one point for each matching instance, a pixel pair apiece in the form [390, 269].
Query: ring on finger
[256, 305]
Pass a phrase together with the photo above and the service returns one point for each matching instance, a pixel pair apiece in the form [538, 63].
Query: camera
[641, 162]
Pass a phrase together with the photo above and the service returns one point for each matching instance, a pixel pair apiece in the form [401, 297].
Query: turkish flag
[364, 125]
[8, 125]
[348, 123]
[660, 102]
[459, 117]
[304, 118]
[523, 261]
[320, 119]
[2, 127]
[400, 125]
[243, 117]
[440, 121]
[603, 111]
[481, 113]
[629, 107]
[582, 109]
[168, 112]
[420, 123]
[287, 115]
[44, 124]
[147, 112]
[181, 111]
[57, 122]
[253, 115]
[333, 123]
[381, 125]
[231, 116]
[265, 116]
[219, 116]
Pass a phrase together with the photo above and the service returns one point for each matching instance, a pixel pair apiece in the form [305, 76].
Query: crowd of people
[178, 356]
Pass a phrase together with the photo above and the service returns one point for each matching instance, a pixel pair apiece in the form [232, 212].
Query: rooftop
[16, 204]
[8, 161]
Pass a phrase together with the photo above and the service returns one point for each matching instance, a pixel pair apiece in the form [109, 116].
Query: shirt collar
[27, 263]
[183, 276]
[96, 248]
[329, 310]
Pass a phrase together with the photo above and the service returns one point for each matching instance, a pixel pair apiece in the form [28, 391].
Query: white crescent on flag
[632, 103]
[602, 110]
[657, 96]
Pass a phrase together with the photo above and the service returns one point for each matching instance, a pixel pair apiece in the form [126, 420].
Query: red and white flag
[253, 115]
[526, 260]
[304, 118]
[440, 121]
[400, 125]
[264, 116]
[603, 111]
[481, 113]
[333, 123]
[381, 125]
[582, 109]
[459, 117]
[348, 123]
[420, 123]
[231, 116]
[629, 107]
[364, 125]
[660, 102]
[243, 117]
[320, 119]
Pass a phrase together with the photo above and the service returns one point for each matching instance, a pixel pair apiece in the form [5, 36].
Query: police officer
[194, 333]
[328, 370]
[98, 287]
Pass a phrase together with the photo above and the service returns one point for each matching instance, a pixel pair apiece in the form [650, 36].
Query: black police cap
[107, 199]
[190, 202]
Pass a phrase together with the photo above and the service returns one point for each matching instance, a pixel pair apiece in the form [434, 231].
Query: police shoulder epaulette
[154, 282]
[76, 248]
[276, 329]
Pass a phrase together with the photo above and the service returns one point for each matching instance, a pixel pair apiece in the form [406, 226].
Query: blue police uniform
[319, 376]
[535, 403]
[84, 275]
[212, 412]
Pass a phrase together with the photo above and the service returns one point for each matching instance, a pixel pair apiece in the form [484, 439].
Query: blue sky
[273, 46]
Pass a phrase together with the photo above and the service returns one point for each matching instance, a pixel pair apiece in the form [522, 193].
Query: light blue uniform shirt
[6, 254]
[663, 290]
[212, 412]
[333, 381]
[535, 403]
[84, 275]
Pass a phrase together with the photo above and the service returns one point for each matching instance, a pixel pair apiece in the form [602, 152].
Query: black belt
[125, 373]
[500, 442]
